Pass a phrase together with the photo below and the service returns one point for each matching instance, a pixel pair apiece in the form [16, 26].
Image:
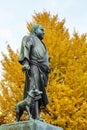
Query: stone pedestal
[29, 125]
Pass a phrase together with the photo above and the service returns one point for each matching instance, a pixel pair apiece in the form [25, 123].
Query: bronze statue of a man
[34, 58]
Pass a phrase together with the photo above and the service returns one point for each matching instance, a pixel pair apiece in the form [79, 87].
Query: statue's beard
[40, 37]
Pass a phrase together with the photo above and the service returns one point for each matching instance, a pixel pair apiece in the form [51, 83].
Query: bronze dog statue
[29, 104]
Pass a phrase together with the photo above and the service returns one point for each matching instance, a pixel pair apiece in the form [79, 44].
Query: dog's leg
[28, 111]
[19, 110]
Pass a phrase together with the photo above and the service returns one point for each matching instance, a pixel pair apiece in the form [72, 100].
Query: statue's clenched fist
[25, 67]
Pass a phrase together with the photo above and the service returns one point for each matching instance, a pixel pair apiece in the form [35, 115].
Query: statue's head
[37, 30]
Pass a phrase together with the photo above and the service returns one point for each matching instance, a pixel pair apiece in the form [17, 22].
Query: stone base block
[29, 125]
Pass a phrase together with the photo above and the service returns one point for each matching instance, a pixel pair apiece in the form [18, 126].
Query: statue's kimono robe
[35, 52]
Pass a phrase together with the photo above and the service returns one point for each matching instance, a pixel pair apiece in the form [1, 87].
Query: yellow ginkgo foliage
[11, 85]
[67, 87]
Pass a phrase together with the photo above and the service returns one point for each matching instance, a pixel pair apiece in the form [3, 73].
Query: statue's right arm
[25, 51]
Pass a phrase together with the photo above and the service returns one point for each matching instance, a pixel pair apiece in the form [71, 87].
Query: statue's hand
[25, 67]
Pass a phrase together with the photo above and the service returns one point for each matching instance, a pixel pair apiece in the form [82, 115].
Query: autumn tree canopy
[67, 87]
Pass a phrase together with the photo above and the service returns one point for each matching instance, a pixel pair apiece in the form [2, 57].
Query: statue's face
[40, 32]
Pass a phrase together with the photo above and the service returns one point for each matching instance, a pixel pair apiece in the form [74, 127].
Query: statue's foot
[40, 119]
